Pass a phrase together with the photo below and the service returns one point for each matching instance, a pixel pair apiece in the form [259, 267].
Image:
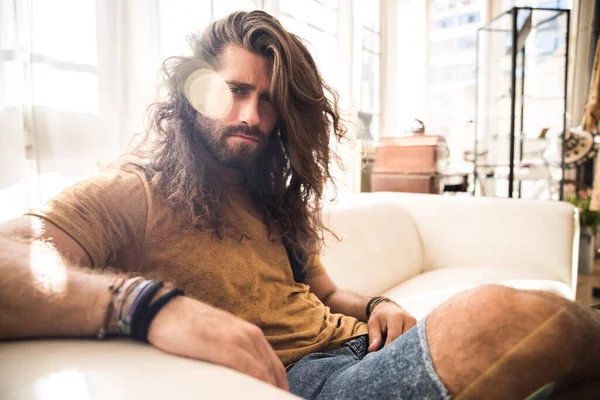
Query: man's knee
[492, 307]
[499, 309]
[475, 330]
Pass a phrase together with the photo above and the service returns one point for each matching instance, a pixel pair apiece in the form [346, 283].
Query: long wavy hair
[287, 180]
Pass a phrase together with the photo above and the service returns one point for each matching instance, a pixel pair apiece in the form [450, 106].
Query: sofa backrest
[461, 232]
[380, 245]
[537, 236]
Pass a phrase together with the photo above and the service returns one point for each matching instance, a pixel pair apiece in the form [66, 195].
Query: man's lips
[246, 137]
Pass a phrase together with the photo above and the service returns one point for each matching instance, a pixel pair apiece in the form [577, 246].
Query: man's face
[238, 138]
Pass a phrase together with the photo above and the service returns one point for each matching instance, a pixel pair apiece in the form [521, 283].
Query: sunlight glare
[47, 266]
[208, 93]
[63, 385]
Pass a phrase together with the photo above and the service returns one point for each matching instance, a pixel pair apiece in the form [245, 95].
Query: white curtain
[13, 167]
[76, 77]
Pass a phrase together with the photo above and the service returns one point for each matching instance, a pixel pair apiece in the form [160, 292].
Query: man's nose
[250, 113]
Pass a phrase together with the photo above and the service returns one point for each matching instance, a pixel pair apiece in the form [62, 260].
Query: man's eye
[236, 90]
[266, 98]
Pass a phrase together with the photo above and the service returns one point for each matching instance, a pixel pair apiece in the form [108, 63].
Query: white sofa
[416, 249]
[422, 249]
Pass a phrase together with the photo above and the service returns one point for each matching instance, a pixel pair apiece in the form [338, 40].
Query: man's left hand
[390, 320]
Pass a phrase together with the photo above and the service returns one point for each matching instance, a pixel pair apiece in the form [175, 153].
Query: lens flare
[48, 268]
[64, 384]
[208, 93]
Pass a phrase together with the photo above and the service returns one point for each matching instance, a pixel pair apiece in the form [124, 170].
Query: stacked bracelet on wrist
[132, 307]
[373, 302]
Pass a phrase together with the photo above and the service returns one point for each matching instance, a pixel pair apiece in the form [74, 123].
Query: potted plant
[588, 222]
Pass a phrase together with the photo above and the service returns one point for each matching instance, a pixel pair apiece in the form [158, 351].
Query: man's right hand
[189, 328]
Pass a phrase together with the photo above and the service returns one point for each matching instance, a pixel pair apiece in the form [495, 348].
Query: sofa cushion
[380, 245]
[421, 294]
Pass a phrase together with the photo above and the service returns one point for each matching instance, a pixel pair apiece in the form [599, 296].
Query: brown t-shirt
[120, 222]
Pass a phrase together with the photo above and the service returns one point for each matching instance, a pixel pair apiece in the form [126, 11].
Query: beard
[214, 137]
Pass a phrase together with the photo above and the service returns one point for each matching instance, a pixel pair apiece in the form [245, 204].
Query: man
[224, 204]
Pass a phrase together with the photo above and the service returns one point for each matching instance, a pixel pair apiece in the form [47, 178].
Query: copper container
[410, 164]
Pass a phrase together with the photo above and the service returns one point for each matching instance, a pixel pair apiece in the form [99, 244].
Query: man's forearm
[348, 303]
[42, 295]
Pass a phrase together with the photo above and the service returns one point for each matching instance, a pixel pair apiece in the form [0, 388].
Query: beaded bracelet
[122, 301]
[114, 288]
[138, 298]
[131, 309]
[113, 309]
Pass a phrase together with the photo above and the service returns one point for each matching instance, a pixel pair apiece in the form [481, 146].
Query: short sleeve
[314, 267]
[106, 214]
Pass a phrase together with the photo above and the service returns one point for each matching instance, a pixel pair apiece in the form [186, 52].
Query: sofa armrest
[117, 369]
[467, 232]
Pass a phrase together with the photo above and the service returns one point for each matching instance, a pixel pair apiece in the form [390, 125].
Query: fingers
[263, 350]
[375, 334]
[251, 354]
[230, 341]
[276, 368]
[279, 370]
[408, 319]
[399, 327]
[395, 329]
[247, 363]
[409, 322]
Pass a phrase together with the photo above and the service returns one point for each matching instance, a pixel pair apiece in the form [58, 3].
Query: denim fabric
[401, 370]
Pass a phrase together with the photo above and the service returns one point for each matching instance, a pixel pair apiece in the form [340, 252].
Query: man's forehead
[240, 65]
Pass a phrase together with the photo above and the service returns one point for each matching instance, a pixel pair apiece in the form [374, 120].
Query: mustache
[252, 132]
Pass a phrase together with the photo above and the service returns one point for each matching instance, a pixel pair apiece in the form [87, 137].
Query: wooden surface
[408, 183]
[585, 282]
[410, 155]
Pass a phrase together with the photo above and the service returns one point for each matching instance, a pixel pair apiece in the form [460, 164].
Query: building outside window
[366, 16]
[451, 63]
[451, 71]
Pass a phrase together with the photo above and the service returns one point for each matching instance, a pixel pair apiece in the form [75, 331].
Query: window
[178, 18]
[451, 71]
[442, 23]
[469, 18]
[316, 23]
[468, 42]
[545, 38]
[440, 48]
[106, 74]
[549, 26]
[367, 17]
[548, 45]
[537, 3]
[64, 79]
[554, 4]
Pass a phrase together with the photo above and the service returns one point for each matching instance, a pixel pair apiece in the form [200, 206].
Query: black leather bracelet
[141, 307]
[373, 303]
[368, 310]
[142, 333]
